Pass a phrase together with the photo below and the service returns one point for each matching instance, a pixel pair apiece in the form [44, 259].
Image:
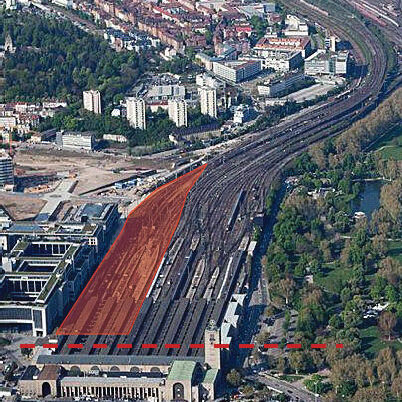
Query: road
[295, 394]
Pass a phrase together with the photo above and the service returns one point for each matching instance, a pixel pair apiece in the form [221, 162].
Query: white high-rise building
[11, 4]
[136, 112]
[92, 101]
[178, 112]
[6, 170]
[208, 101]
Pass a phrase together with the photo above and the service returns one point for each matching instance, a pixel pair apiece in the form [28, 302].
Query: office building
[40, 279]
[92, 101]
[178, 112]
[76, 140]
[6, 170]
[280, 61]
[136, 113]
[279, 86]
[237, 71]
[326, 63]
[208, 101]
[266, 45]
[45, 265]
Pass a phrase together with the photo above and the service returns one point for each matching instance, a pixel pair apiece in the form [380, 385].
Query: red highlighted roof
[113, 297]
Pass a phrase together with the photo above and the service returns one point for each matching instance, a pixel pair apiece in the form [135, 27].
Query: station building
[142, 377]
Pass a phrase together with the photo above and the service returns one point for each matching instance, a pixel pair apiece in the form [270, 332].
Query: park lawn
[395, 249]
[372, 342]
[391, 152]
[391, 145]
[333, 279]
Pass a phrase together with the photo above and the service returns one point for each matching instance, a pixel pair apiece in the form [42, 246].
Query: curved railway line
[251, 167]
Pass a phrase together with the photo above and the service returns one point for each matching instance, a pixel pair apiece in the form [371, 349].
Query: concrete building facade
[92, 101]
[178, 112]
[208, 101]
[76, 140]
[136, 112]
[6, 170]
[237, 71]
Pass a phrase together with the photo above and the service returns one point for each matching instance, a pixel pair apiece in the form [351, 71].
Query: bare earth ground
[21, 207]
[91, 170]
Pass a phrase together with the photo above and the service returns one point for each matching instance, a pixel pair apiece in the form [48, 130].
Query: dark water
[369, 198]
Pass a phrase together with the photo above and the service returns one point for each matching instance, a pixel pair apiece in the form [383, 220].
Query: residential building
[92, 101]
[178, 112]
[237, 71]
[6, 170]
[208, 101]
[136, 112]
[205, 80]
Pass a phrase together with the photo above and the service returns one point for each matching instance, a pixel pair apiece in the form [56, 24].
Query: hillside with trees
[333, 268]
[55, 59]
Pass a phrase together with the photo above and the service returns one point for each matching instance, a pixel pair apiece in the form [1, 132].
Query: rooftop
[182, 370]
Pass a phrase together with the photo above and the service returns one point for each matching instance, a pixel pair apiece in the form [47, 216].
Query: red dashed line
[178, 346]
[221, 346]
[293, 345]
[124, 345]
[318, 345]
[75, 345]
[197, 346]
[271, 345]
[149, 345]
[99, 346]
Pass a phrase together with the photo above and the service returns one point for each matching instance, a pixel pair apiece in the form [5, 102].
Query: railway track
[251, 168]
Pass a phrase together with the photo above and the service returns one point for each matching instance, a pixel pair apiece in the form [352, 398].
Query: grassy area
[333, 278]
[372, 342]
[391, 145]
[291, 378]
[395, 250]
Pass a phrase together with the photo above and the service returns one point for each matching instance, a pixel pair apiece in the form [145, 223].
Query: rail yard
[204, 267]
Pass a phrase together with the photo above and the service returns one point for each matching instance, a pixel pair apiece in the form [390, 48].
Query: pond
[369, 198]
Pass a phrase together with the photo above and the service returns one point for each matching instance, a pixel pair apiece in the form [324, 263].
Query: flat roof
[113, 359]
